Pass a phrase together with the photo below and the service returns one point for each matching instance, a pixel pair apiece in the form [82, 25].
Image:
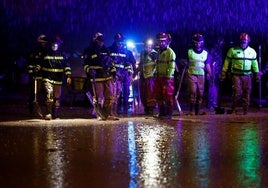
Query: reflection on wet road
[135, 152]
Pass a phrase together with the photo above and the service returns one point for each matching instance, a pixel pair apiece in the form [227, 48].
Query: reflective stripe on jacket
[197, 62]
[98, 62]
[241, 62]
[54, 67]
[165, 65]
[148, 63]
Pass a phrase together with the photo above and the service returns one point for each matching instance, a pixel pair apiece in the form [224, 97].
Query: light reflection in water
[55, 159]
[151, 159]
[149, 165]
[202, 156]
[133, 169]
[249, 157]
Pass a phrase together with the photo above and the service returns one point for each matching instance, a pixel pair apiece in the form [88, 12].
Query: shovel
[97, 106]
[179, 88]
[36, 106]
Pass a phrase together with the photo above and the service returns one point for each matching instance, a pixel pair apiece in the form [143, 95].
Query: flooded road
[204, 151]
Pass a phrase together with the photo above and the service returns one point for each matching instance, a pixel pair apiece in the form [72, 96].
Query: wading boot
[48, 115]
[245, 109]
[196, 109]
[191, 113]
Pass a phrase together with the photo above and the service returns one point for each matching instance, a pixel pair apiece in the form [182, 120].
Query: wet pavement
[136, 151]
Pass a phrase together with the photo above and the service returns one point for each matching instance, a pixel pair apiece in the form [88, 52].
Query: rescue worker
[125, 65]
[164, 77]
[241, 61]
[35, 59]
[98, 65]
[216, 65]
[147, 68]
[198, 67]
[54, 67]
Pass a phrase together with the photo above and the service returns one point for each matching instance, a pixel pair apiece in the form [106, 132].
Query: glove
[36, 69]
[257, 77]
[223, 76]
[69, 81]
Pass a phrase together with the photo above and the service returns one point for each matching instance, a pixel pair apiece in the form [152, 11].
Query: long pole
[260, 84]
[179, 88]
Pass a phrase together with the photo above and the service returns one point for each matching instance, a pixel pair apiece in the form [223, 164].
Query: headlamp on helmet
[149, 42]
[119, 37]
[162, 36]
[198, 41]
[198, 38]
[98, 36]
[42, 38]
[244, 36]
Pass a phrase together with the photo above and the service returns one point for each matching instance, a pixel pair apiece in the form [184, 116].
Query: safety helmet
[198, 42]
[42, 38]
[244, 36]
[98, 36]
[57, 40]
[163, 40]
[119, 37]
[162, 36]
[198, 38]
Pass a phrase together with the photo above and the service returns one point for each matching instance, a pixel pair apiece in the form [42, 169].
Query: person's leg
[49, 99]
[56, 100]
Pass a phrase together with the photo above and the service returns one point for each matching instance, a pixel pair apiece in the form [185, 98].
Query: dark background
[76, 20]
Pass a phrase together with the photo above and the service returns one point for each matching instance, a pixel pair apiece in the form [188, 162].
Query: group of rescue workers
[111, 71]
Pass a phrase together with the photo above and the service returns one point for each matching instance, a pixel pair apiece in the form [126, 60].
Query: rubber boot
[233, 108]
[149, 111]
[169, 112]
[196, 109]
[55, 111]
[191, 113]
[161, 112]
[245, 109]
[125, 108]
[49, 106]
[114, 110]
[108, 111]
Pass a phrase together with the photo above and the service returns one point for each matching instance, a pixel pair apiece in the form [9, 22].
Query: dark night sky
[76, 20]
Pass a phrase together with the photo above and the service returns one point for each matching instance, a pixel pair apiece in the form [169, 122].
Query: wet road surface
[200, 151]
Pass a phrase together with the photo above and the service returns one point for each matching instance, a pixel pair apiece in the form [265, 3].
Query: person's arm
[208, 66]
[226, 65]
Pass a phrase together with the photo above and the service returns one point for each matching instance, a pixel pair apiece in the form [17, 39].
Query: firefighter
[164, 77]
[241, 61]
[98, 65]
[198, 68]
[54, 67]
[147, 68]
[35, 59]
[125, 65]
